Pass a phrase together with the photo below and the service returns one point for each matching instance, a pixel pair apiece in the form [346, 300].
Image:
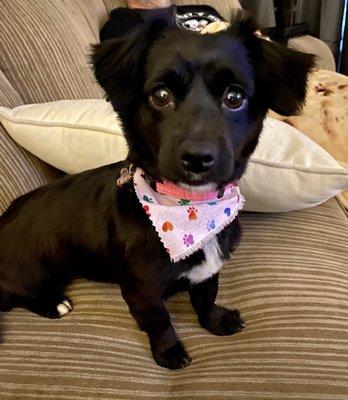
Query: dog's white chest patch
[212, 264]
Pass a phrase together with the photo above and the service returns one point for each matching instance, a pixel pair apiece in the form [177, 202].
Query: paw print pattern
[147, 199]
[167, 226]
[188, 240]
[192, 213]
[211, 225]
[183, 202]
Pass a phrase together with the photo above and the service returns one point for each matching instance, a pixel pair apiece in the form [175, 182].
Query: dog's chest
[212, 264]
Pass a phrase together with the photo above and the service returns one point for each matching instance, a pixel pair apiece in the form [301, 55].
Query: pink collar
[170, 189]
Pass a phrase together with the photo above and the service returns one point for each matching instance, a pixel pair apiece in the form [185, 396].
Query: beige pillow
[288, 171]
[325, 116]
[71, 135]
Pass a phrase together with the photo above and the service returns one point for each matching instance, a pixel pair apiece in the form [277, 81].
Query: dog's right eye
[161, 97]
[234, 98]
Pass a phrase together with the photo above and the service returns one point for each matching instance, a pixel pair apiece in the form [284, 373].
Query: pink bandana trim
[185, 224]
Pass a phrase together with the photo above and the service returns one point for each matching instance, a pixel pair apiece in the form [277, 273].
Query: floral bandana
[185, 220]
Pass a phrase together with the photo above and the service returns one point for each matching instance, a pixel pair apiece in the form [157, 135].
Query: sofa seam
[342, 208]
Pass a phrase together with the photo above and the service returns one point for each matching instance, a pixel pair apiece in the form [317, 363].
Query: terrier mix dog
[192, 108]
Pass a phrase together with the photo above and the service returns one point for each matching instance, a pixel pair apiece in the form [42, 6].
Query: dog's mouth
[195, 181]
[191, 183]
[205, 187]
[181, 190]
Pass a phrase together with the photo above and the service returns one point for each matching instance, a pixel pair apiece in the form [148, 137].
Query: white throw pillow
[71, 135]
[288, 171]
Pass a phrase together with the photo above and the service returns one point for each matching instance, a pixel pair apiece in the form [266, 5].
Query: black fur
[84, 225]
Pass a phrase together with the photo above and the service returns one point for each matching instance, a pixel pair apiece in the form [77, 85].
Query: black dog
[192, 107]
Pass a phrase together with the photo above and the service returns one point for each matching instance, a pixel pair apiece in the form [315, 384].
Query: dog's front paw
[174, 357]
[221, 321]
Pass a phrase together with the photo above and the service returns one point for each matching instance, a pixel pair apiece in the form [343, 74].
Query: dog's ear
[119, 63]
[281, 73]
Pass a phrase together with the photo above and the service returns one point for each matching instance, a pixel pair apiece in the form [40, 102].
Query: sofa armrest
[310, 44]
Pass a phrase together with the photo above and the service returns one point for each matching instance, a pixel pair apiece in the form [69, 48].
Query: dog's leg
[217, 320]
[153, 318]
[47, 303]
[44, 303]
[36, 287]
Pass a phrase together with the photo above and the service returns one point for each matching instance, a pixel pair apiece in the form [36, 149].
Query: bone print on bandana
[183, 225]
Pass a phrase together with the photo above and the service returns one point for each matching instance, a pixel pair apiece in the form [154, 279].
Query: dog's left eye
[161, 97]
[234, 98]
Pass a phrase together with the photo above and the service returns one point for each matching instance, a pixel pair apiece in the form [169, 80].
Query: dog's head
[193, 105]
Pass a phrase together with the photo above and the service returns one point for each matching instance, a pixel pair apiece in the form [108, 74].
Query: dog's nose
[197, 156]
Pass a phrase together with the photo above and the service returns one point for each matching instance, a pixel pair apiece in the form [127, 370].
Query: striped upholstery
[288, 277]
[9, 97]
[20, 171]
[44, 47]
[111, 4]
[44, 51]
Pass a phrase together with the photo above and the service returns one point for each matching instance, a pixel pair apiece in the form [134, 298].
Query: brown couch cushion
[20, 171]
[8, 96]
[288, 277]
[45, 45]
